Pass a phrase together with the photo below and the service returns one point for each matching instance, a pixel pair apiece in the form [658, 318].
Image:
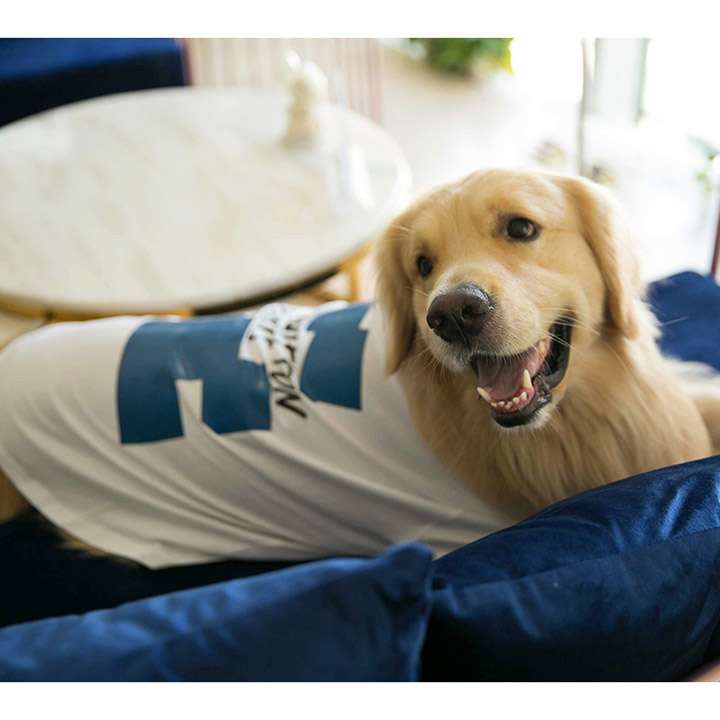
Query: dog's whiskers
[672, 322]
[566, 322]
[559, 340]
[432, 364]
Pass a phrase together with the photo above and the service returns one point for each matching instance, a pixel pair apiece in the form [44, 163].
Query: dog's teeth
[523, 395]
[500, 403]
[516, 400]
[527, 380]
[484, 394]
[493, 404]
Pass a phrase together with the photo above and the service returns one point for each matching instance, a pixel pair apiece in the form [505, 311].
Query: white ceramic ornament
[308, 88]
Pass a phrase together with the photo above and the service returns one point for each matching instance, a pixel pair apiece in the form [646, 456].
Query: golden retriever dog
[517, 325]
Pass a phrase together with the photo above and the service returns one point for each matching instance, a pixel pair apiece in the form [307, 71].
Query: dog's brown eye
[520, 228]
[424, 265]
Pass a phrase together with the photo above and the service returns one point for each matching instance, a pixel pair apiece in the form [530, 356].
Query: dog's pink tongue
[502, 377]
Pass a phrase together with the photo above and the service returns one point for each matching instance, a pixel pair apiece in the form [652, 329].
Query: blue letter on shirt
[333, 366]
[236, 393]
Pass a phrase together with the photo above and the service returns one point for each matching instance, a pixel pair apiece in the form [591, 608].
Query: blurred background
[635, 114]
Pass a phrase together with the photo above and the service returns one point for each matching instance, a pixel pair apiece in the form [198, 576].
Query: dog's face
[506, 279]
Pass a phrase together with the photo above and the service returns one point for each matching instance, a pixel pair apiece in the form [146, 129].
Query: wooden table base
[351, 270]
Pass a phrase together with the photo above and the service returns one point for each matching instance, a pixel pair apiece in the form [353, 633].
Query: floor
[450, 126]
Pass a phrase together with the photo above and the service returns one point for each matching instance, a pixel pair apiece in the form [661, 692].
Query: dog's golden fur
[619, 410]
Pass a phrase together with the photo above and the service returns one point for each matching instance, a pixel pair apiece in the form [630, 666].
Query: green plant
[459, 55]
[711, 153]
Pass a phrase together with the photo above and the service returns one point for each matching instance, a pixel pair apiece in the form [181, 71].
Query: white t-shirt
[272, 436]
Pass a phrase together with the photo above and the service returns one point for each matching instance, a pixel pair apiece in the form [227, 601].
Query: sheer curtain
[353, 65]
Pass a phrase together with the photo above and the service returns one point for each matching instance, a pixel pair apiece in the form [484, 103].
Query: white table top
[183, 198]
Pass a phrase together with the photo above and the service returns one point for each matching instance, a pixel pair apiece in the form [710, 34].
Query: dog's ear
[605, 231]
[393, 292]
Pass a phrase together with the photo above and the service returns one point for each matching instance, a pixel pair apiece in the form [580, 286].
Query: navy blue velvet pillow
[38, 74]
[346, 619]
[688, 308]
[620, 583]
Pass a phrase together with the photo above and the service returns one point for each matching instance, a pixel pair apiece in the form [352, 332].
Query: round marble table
[184, 199]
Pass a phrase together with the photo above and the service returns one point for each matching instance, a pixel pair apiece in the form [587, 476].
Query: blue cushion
[688, 308]
[345, 619]
[619, 583]
[37, 74]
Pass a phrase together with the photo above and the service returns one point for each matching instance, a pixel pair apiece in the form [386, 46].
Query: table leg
[29, 310]
[351, 270]
[58, 317]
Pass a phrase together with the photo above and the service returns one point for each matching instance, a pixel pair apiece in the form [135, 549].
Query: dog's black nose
[460, 313]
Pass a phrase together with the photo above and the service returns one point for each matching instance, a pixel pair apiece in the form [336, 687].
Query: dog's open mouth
[517, 386]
